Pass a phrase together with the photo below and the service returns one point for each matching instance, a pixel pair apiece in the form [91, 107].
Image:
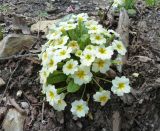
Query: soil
[139, 110]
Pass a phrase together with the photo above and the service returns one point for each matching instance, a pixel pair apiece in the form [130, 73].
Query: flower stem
[103, 79]
[101, 88]
[80, 27]
[68, 35]
[83, 92]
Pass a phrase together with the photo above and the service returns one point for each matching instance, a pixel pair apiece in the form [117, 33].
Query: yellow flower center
[101, 63]
[59, 102]
[62, 29]
[80, 74]
[88, 57]
[79, 53]
[60, 42]
[103, 99]
[94, 28]
[98, 37]
[44, 73]
[80, 18]
[51, 63]
[69, 66]
[121, 86]
[63, 52]
[102, 51]
[119, 46]
[89, 48]
[73, 44]
[45, 55]
[55, 33]
[52, 95]
[79, 107]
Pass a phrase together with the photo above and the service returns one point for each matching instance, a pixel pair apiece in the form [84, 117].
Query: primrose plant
[127, 4]
[78, 51]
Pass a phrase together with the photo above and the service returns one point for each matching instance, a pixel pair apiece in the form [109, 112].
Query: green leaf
[60, 65]
[84, 37]
[129, 4]
[56, 77]
[72, 87]
[60, 90]
[1, 33]
[131, 12]
[84, 41]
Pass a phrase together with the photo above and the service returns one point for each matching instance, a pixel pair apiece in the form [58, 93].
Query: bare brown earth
[138, 111]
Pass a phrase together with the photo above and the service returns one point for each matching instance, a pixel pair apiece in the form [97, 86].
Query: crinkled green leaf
[60, 90]
[56, 77]
[72, 87]
[84, 40]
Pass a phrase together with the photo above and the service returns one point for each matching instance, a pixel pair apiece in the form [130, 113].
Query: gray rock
[1, 17]
[14, 43]
[13, 121]
[116, 122]
[42, 26]
[24, 105]
[123, 27]
[19, 93]
[158, 80]
[2, 83]
[45, 25]
[2, 112]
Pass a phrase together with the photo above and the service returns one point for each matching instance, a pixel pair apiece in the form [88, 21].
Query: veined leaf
[56, 77]
[72, 87]
[60, 90]
[84, 40]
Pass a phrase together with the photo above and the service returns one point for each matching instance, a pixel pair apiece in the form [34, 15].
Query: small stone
[135, 74]
[158, 80]
[74, 1]
[79, 124]
[13, 121]
[141, 101]
[60, 117]
[2, 112]
[104, 129]
[75, 118]
[144, 59]
[24, 105]
[4, 99]
[2, 83]
[1, 17]
[19, 93]
[42, 26]
[13, 43]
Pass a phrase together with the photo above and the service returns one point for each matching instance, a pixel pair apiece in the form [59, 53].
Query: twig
[7, 86]
[103, 79]
[17, 56]
[105, 15]
[109, 8]
[14, 103]
[42, 119]
[98, 84]
[83, 92]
